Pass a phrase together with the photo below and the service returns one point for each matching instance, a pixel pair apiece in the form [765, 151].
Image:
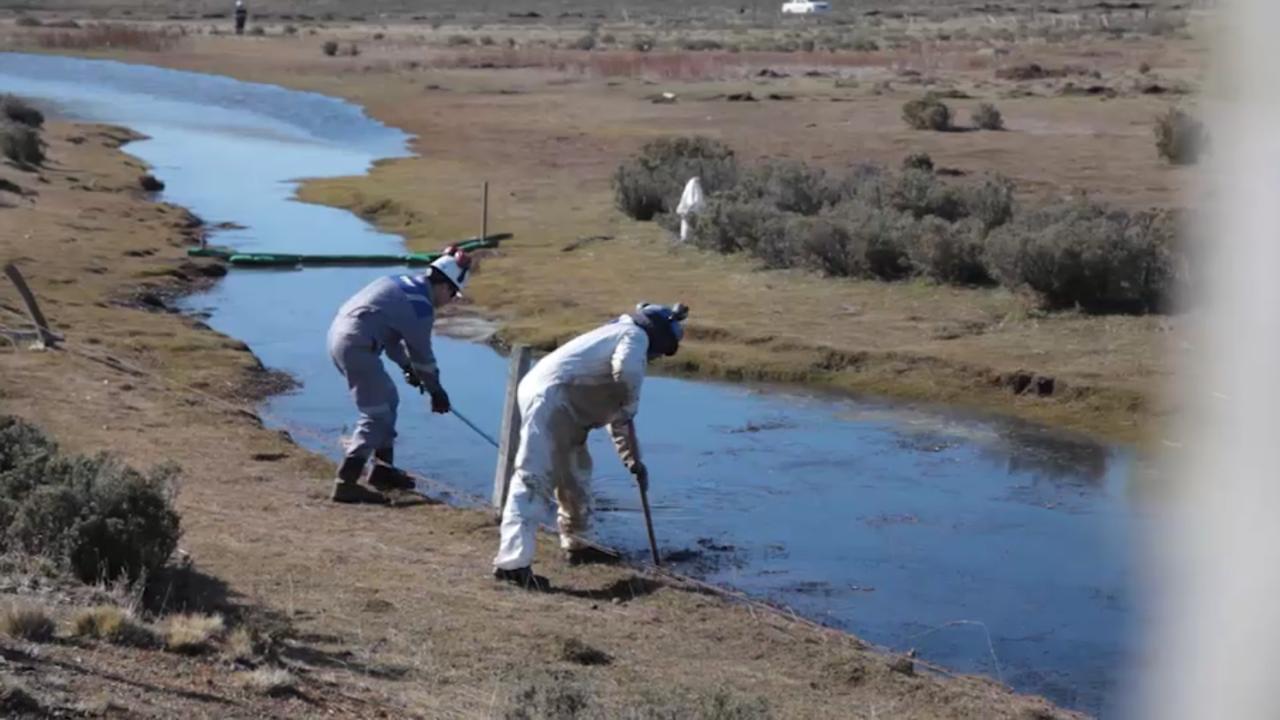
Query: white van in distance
[805, 7]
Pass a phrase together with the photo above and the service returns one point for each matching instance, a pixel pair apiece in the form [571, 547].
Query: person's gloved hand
[641, 474]
[440, 402]
[412, 378]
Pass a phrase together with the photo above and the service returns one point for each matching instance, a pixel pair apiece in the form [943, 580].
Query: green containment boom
[269, 259]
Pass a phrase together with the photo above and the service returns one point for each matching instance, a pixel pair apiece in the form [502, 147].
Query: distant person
[394, 315]
[242, 16]
[591, 381]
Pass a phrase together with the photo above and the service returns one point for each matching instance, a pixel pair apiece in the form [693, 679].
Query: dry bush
[26, 622]
[459, 41]
[193, 633]
[586, 42]
[1086, 255]
[651, 181]
[918, 161]
[330, 48]
[1180, 138]
[112, 624]
[100, 36]
[953, 253]
[927, 113]
[21, 144]
[987, 117]
[270, 681]
[21, 111]
[28, 21]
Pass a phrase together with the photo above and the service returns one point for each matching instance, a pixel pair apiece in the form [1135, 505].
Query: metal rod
[644, 497]
[473, 426]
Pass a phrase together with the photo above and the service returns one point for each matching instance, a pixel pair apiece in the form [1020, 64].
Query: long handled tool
[473, 426]
[644, 497]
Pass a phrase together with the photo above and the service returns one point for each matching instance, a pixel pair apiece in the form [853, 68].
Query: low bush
[113, 625]
[330, 47]
[458, 41]
[987, 117]
[21, 111]
[21, 144]
[651, 181]
[927, 113]
[1095, 258]
[192, 634]
[26, 622]
[93, 516]
[586, 42]
[28, 21]
[1180, 138]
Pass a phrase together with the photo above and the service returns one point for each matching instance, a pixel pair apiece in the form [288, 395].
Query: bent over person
[592, 381]
[394, 315]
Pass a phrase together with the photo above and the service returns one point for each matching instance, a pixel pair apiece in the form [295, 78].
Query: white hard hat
[455, 265]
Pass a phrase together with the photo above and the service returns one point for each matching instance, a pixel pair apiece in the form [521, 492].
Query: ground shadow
[625, 590]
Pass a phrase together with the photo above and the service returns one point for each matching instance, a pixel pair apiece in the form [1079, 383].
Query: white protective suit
[691, 203]
[592, 381]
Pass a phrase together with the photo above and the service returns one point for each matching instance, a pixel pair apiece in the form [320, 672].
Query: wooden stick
[509, 437]
[47, 338]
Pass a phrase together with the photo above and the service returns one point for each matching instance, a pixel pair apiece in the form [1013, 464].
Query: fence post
[45, 337]
[509, 439]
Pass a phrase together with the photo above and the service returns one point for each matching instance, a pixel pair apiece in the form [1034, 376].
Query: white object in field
[805, 7]
[691, 202]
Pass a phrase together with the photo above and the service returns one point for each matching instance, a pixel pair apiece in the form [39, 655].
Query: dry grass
[27, 622]
[112, 624]
[191, 634]
[271, 681]
[109, 36]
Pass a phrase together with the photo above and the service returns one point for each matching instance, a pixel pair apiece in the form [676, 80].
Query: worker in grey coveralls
[393, 315]
[589, 382]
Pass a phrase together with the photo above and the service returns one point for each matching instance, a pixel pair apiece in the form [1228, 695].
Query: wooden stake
[484, 213]
[509, 438]
[46, 338]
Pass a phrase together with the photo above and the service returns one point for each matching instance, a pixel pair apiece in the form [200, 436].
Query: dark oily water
[986, 545]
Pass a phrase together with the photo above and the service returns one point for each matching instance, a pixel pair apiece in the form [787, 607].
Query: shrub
[458, 41]
[877, 236]
[257, 30]
[273, 682]
[789, 185]
[927, 113]
[826, 245]
[28, 21]
[991, 203]
[1180, 138]
[21, 144]
[643, 43]
[112, 624]
[921, 193]
[191, 634]
[700, 45]
[290, 30]
[948, 252]
[918, 161]
[987, 117]
[20, 111]
[1089, 256]
[728, 225]
[91, 515]
[330, 47]
[352, 50]
[26, 622]
[488, 41]
[586, 42]
[651, 182]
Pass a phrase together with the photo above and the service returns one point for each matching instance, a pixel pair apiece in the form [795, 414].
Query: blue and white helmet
[454, 265]
[664, 324]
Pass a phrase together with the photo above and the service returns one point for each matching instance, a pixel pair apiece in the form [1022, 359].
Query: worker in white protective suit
[394, 315]
[691, 203]
[592, 381]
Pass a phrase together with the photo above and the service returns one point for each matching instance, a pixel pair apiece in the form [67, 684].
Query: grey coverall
[393, 315]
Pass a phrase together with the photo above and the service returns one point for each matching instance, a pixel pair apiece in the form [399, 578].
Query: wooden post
[509, 439]
[45, 337]
[484, 213]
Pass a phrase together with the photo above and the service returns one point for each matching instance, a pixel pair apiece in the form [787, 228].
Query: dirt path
[391, 611]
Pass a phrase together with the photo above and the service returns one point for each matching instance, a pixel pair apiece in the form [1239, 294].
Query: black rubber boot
[387, 478]
[588, 555]
[523, 578]
[347, 487]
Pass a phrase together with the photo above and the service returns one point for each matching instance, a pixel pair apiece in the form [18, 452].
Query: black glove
[641, 474]
[440, 402]
[412, 378]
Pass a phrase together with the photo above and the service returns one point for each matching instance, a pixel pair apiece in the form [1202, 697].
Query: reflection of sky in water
[886, 521]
